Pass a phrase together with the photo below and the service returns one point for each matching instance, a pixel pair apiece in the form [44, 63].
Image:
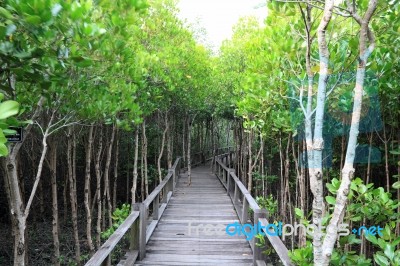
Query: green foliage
[118, 217]
[268, 249]
[268, 203]
[303, 256]
[7, 110]
[366, 202]
[388, 243]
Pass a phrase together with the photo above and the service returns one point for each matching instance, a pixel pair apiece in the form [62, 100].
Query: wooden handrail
[103, 254]
[243, 202]
[137, 222]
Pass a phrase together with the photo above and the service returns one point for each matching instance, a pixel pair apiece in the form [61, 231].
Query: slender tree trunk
[55, 224]
[286, 194]
[114, 198]
[315, 165]
[343, 147]
[301, 189]
[135, 168]
[162, 149]
[282, 183]
[250, 170]
[398, 180]
[65, 198]
[183, 139]
[170, 144]
[189, 160]
[348, 170]
[88, 151]
[98, 187]
[106, 192]
[144, 150]
[127, 173]
[385, 143]
[71, 158]
[17, 208]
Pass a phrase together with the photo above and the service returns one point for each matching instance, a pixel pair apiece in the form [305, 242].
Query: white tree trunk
[348, 169]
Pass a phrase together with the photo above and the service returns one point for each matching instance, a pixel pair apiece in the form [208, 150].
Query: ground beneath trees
[40, 242]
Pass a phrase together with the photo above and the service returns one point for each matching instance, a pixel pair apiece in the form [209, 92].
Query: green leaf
[396, 185]
[371, 238]
[381, 260]
[299, 212]
[9, 131]
[35, 20]
[395, 152]
[8, 108]
[3, 150]
[331, 200]
[389, 251]
[5, 13]
[3, 138]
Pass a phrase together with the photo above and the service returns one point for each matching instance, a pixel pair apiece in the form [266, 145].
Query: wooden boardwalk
[204, 202]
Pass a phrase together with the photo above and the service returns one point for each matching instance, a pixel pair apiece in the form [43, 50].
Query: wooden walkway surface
[205, 201]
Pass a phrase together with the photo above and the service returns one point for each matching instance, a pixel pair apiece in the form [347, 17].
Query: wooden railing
[243, 202]
[138, 223]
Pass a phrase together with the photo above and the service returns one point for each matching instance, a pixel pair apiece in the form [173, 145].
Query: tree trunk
[135, 168]
[65, 199]
[88, 151]
[162, 149]
[71, 158]
[55, 224]
[106, 192]
[18, 212]
[169, 145]
[315, 165]
[189, 160]
[144, 150]
[348, 170]
[98, 187]
[114, 198]
[183, 139]
[385, 143]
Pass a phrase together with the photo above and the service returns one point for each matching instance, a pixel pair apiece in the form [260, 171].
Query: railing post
[258, 250]
[107, 261]
[245, 210]
[174, 175]
[156, 206]
[236, 195]
[228, 191]
[170, 184]
[224, 175]
[134, 238]
[142, 229]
